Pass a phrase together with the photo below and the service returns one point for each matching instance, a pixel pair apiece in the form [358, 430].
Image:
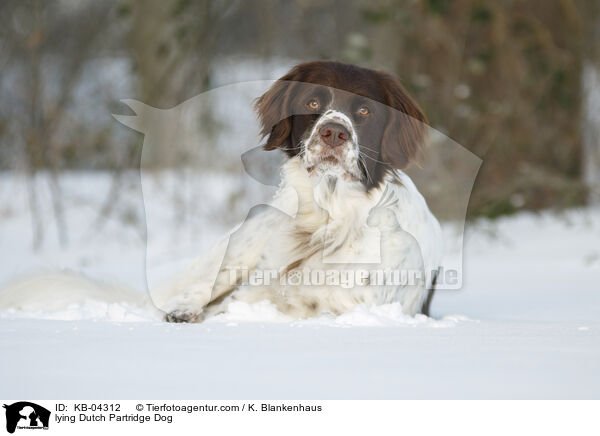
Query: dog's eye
[313, 104]
[363, 110]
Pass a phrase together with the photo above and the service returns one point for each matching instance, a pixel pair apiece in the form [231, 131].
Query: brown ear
[405, 133]
[274, 115]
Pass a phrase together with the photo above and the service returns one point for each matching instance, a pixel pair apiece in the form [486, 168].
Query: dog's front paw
[184, 316]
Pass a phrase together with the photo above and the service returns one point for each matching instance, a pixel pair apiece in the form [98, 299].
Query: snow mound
[90, 310]
[387, 315]
[238, 311]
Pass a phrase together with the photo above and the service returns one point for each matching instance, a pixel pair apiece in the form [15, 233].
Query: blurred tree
[46, 50]
[504, 80]
[173, 44]
[591, 101]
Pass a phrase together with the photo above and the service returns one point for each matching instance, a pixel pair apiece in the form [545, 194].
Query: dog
[344, 206]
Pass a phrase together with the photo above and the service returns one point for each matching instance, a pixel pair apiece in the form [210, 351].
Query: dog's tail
[56, 292]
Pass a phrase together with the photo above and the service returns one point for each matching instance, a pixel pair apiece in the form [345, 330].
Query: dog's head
[342, 120]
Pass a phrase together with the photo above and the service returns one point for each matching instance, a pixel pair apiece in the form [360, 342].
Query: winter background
[77, 248]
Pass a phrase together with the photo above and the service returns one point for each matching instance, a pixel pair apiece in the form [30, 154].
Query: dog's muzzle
[332, 146]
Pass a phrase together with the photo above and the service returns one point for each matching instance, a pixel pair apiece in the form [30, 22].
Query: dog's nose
[333, 134]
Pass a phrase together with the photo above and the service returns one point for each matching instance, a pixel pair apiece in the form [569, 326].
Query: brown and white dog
[344, 207]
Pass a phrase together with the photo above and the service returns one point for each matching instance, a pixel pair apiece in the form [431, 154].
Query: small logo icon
[26, 415]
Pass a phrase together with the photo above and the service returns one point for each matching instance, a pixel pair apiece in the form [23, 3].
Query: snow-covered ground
[525, 325]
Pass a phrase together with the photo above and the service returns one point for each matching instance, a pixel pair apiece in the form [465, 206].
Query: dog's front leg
[217, 273]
